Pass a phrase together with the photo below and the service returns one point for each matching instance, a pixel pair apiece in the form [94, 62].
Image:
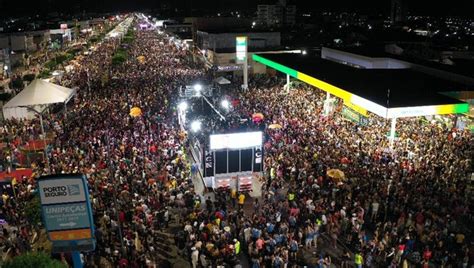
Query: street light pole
[246, 73]
[88, 80]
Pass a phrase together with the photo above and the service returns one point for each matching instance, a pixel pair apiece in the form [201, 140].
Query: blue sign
[67, 212]
[67, 216]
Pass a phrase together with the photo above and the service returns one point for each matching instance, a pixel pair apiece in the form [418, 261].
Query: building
[61, 36]
[178, 28]
[278, 15]
[392, 57]
[397, 11]
[24, 41]
[5, 65]
[219, 47]
[222, 40]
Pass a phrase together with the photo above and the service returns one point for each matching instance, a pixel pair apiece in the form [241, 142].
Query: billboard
[236, 140]
[66, 210]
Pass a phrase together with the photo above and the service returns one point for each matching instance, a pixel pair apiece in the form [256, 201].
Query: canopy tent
[36, 95]
[222, 80]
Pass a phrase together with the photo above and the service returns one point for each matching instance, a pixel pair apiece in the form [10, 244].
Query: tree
[44, 73]
[33, 211]
[51, 64]
[34, 260]
[17, 83]
[118, 59]
[128, 39]
[29, 77]
[5, 97]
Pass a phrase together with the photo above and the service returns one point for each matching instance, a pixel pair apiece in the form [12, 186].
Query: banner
[354, 116]
[258, 159]
[208, 163]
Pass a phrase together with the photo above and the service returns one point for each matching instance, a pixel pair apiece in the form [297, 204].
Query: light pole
[182, 107]
[196, 126]
[225, 104]
[88, 80]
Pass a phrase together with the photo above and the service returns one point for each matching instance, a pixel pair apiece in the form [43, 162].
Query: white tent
[222, 80]
[37, 95]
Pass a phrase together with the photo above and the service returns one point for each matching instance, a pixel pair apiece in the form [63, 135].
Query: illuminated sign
[241, 48]
[428, 110]
[236, 140]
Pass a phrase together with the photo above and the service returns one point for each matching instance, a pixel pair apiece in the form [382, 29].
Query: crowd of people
[135, 166]
[404, 203]
[411, 198]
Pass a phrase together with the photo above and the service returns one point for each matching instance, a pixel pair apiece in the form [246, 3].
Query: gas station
[390, 93]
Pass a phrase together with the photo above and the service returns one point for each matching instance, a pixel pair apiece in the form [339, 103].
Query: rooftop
[461, 67]
[250, 49]
[236, 31]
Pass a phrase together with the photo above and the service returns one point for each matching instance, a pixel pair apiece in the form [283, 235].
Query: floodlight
[197, 87]
[182, 106]
[303, 52]
[196, 126]
[225, 104]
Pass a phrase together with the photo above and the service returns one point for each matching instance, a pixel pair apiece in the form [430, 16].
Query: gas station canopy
[389, 93]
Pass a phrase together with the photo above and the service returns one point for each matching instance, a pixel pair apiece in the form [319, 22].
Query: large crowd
[404, 204]
[400, 204]
[135, 166]
[395, 202]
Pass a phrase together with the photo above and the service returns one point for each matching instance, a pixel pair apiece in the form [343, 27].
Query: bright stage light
[183, 106]
[196, 126]
[225, 104]
[197, 87]
[236, 140]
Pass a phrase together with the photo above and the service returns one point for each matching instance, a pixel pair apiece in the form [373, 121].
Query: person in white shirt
[194, 257]
[375, 209]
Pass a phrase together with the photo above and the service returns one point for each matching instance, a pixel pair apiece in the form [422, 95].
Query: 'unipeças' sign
[67, 213]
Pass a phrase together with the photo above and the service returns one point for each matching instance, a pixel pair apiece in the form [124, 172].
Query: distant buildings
[225, 40]
[214, 41]
[397, 11]
[279, 15]
[24, 41]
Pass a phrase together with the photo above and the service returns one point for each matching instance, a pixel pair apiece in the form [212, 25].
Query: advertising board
[241, 48]
[66, 211]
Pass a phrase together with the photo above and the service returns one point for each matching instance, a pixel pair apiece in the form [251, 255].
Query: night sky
[421, 7]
